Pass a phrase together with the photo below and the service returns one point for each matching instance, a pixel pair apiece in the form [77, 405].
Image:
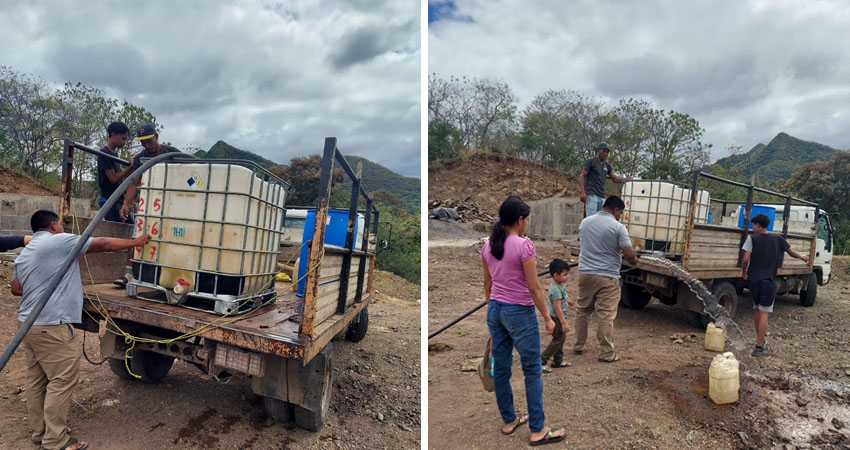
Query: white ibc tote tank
[657, 211]
[215, 232]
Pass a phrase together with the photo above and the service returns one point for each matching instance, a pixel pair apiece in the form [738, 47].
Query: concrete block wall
[16, 210]
[555, 218]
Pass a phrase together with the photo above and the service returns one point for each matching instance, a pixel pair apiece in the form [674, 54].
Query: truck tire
[278, 410]
[727, 297]
[807, 297]
[357, 329]
[118, 368]
[634, 296]
[152, 367]
[320, 380]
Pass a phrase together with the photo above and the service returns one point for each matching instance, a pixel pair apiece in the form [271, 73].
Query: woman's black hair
[512, 209]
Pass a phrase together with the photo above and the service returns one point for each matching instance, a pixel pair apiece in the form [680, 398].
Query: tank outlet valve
[181, 287]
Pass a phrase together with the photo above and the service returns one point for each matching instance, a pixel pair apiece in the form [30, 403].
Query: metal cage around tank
[223, 288]
[657, 211]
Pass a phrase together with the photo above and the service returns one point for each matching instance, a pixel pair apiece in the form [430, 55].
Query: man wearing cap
[109, 173]
[149, 138]
[592, 180]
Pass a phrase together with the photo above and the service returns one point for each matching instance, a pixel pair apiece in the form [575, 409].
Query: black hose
[51, 286]
[466, 314]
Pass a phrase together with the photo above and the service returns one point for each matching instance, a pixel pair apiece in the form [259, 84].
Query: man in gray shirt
[602, 238]
[51, 346]
[592, 180]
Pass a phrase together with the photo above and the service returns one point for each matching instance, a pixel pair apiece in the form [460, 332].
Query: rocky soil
[376, 400]
[657, 395]
[488, 179]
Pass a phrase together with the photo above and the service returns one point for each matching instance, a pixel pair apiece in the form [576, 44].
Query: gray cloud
[263, 76]
[746, 70]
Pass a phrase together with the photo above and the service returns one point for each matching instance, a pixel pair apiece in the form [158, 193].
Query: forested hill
[376, 176]
[223, 150]
[774, 161]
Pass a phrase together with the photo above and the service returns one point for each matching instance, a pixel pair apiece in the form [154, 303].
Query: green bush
[402, 256]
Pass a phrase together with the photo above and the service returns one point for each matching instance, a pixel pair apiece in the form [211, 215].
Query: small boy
[558, 301]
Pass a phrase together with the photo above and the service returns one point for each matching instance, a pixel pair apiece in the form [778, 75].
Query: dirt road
[376, 400]
[657, 396]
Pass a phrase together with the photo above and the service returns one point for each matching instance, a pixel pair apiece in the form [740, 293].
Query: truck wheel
[151, 366]
[118, 368]
[319, 377]
[727, 297]
[807, 297]
[357, 329]
[634, 296]
[279, 410]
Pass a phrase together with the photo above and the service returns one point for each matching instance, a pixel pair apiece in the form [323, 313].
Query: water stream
[710, 306]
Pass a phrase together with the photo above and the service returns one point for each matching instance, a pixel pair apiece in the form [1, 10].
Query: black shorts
[764, 294]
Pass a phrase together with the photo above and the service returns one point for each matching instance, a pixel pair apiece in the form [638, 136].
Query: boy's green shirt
[557, 292]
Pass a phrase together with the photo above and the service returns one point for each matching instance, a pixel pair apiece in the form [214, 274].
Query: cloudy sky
[274, 78]
[746, 70]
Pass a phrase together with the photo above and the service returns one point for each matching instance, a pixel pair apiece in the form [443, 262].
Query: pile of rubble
[469, 211]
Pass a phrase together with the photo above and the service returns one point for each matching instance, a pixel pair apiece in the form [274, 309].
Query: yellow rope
[131, 340]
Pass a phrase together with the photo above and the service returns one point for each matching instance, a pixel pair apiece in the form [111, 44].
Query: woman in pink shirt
[512, 290]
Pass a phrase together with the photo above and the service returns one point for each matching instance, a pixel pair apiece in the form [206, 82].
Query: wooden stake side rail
[266, 330]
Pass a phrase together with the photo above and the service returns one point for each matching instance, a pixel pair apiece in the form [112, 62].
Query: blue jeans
[593, 205]
[516, 326]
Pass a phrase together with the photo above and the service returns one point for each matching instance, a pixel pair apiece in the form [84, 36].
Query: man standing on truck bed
[602, 238]
[51, 346]
[150, 141]
[763, 254]
[592, 180]
[109, 173]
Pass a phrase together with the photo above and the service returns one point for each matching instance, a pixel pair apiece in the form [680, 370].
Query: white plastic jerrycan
[723, 379]
[714, 338]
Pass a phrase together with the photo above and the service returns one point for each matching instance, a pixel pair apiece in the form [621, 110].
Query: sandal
[614, 359]
[561, 364]
[522, 421]
[74, 444]
[546, 370]
[549, 438]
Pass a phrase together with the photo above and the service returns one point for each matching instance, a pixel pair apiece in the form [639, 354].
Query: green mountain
[223, 150]
[774, 161]
[376, 176]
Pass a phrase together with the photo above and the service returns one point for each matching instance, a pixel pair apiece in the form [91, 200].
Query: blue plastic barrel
[335, 231]
[768, 211]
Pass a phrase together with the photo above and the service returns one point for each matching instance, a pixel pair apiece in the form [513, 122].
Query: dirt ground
[376, 400]
[488, 179]
[657, 395]
[15, 183]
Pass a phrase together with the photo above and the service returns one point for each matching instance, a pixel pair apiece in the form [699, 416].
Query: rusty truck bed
[273, 328]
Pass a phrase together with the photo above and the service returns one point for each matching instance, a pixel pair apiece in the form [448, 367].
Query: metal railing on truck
[331, 155]
[751, 189]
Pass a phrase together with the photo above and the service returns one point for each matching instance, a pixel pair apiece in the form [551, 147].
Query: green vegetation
[376, 177]
[772, 162]
[827, 183]
[560, 129]
[223, 150]
[403, 257]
